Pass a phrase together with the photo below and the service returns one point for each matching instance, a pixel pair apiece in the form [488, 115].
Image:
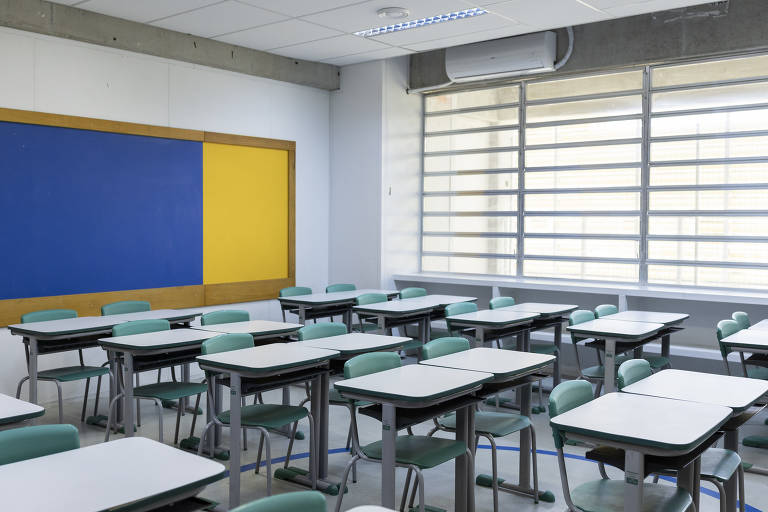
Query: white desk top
[493, 317]
[639, 420]
[414, 304]
[253, 327]
[543, 308]
[603, 327]
[153, 314]
[501, 363]
[174, 338]
[357, 342]
[648, 316]
[329, 298]
[413, 383]
[748, 338]
[267, 359]
[65, 326]
[104, 476]
[761, 325]
[13, 410]
[738, 393]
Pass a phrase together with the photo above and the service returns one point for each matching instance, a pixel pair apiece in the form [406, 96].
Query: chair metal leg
[194, 418]
[742, 497]
[18, 389]
[98, 396]
[416, 484]
[202, 438]
[85, 398]
[290, 444]
[604, 475]
[245, 431]
[61, 402]
[420, 480]
[535, 465]
[179, 407]
[258, 457]
[721, 490]
[109, 415]
[406, 488]
[344, 479]
[598, 388]
[314, 444]
[138, 405]
[265, 436]
[495, 472]
[159, 418]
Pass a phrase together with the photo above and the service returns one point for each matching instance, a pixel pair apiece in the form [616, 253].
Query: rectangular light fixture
[405, 25]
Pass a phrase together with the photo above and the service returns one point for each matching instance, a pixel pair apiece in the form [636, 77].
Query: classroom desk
[186, 341]
[13, 410]
[621, 420]
[748, 340]
[418, 387]
[762, 324]
[670, 321]
[349, 345]
[494, 323]
[343, 301]
[509, 368]
[275, 365]
[259, 329]
[550, 316]
[736, 393]
[614, 331]
[135, 474]
[81, 332]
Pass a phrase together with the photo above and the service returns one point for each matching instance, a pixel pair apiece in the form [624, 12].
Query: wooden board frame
[166, 297]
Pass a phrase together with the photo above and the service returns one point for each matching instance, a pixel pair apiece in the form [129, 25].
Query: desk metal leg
[731, 442]
[633, 480]
[322, 427]
[556, 376]
[302, 315]
[234, 440]
[33, 370]
[388, 437]
[128, 395]
[464, 494]
[479, 336]
[381, 321]
[218, 397]
[665, 342]
[524, 467]
[610, 365]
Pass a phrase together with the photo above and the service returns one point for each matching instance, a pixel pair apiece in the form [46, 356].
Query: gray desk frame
[345, 300]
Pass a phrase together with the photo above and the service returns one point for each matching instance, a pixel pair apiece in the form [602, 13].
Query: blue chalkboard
[85, 211]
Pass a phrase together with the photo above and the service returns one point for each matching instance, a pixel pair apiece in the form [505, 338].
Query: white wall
[66, 77]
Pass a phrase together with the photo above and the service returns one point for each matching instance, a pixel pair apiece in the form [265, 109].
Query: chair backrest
[226, 342]
[579, 317]
[741, 318]
[409, 293]
[444, 346]
[292, 291]
[566, 396]
[632, 371]
[36, 441]
[140, 327]
[460, 308]
[370, 298]
[225, 316]
[125, 306]
[501, 302]
[605, 310]
[724, 329]
[322, 330]
[48, 314]
[373, 362]
[304, 501]
[341, 287]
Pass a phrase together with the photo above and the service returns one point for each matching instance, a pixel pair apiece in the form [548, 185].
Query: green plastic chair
[488, 424]
[304, 501]
[261, 417]
[25, 443]
[66, 373]
[632, 371]
[501, 302]
[414, 453]
[341, 287]
[537, 348]
[409, 293]
[592, 374]
[604, 495]
[321, 330]
[459, 309]
[367, 322]
[159, 391]
[125, 306]
[656, 362]
[292, 291]
[224, 316]
[749, 367]
[605, 310]
[741, 318]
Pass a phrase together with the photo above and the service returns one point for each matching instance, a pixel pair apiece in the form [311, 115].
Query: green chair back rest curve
[300, 501]
[444, 346]
[605, 310]
[227, 342]
[341, 287]
[48, 314]
[370, 298]
[36, 441]
[373, 362]
[724, 329]
[409, 293]
[632, 371]
[741, 318]
[460, 308]
[566, 396]
[579, 317]
[501, 302]
[140, 327]
[322, 330]
[125, 306]
[225, 316]
[292, 291]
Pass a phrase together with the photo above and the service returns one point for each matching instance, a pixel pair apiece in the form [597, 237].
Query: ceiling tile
[550, 14]
[330, 48]
[447, 29]
[475, 37]
[143, 10]
[363, 16]
[275, 35]
[367, 56]
[299, 7]
[219, 19]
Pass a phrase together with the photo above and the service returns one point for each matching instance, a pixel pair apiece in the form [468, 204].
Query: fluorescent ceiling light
[397, 27]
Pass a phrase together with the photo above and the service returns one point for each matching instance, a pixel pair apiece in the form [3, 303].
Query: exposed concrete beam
[72, 23]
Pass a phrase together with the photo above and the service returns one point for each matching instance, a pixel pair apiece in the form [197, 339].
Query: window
[656, 175]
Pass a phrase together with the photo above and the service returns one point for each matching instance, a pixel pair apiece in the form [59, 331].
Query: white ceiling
[322, 30]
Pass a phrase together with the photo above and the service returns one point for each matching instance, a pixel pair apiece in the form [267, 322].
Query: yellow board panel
[245, 213]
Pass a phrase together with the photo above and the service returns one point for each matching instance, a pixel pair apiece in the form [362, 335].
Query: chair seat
[757, 372]
[169, 390]
[366, 327]
[421, 451]
[657, 362]
[267, 415]
[497, 424]
[544, 348]
[608, 496]
[594, 372]
[719, 463]
[72, 373]
[335, 398]
[436, 332]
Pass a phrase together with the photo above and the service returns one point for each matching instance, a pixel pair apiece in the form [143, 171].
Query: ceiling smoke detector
[393, 13]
